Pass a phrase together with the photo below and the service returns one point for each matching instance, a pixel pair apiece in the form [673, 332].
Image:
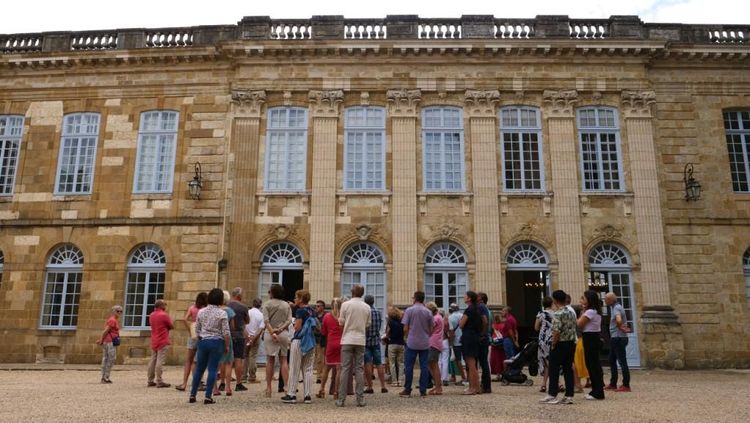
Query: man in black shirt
[239, 335]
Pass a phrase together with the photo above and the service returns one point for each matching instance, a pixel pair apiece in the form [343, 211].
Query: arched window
[11, 133]
[62, 288]
[75, 165]
[157, 145]
[746, 268]
[364, 149]
[526, 256]
[364, 264]
[281, 263]
[443, 149]
[445, 274]
[521, 147]
[610, 271]
[286, 149]
[144, 284]
[601, 161]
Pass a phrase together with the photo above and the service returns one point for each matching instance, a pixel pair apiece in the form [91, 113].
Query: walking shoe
[361, 402]
[610, 388]
[547, 399]
[589, 397]
[109, 380]
[339, 403]
[623, 388]
[383, 390]
[151, 384]
[404, 393]
[163, 385]
[289, 399]
[369, 391]
[240, 387]
[308, 400]
[563, 400]
[103, 380]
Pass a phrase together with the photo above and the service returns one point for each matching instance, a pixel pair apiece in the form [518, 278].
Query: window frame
[744, 134]
[521, 129]
[351, 129]
[65, 137]
[139, 150]
[66, 269]
[443, 130]
[598, 131]
[286, 130]
[8, 189]
[149, 269]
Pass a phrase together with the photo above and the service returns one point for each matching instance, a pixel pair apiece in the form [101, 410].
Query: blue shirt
[453, 321]
[373, 331]
[614, 331]
[484, 311]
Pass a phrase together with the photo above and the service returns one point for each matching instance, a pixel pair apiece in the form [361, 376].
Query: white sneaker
[563, 400]
[589, 397]
[547, 399]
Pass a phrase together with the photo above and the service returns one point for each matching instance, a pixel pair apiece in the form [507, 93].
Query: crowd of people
[355, 344]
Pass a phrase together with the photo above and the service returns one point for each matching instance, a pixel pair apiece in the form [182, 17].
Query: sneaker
[103, 381]
[339, 403]
[383, 390]
[109, 380]
[308, 400]
[404, 393]
[151, 384]
[589, 397]
[240, 387]
[623, 388]
[610, 388]
[361, 403]
[289, 399]
[163, 385]
[563, 400]
[446, 383]
[546, 399]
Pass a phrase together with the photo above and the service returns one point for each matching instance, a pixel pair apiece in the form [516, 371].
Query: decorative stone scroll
[326, 103]
[364, 98]
[637, 104]
[403, 102]
[363, 232]
[607, 233]
[561, 103]
[282, 232]
[248, 103]
[481, 103]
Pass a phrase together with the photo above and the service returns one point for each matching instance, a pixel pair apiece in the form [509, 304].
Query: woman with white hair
[109, 340]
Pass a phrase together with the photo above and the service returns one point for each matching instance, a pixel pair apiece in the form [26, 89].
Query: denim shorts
[373, 355]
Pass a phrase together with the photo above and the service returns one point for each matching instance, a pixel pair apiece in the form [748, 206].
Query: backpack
[307, 334]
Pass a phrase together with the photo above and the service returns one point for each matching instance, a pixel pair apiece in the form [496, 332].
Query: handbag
[115, 341]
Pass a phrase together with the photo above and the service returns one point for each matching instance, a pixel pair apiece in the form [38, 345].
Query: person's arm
[288, 320]
[225, 333]
[170, 323]
[621, 325]
[406, 331]
[538, 324]
[187, 319]
[463, 321]
[387, 334]
[342, 314]
[106, 330]
[485, 324]
[583, 320]
[514, 333]
[297, 324]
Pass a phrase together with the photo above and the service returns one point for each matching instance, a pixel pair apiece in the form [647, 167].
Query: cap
[453, 307]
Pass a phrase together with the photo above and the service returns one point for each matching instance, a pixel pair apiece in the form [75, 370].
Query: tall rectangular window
[286, 149]
[157, 143]
[75, 166]
[737, 127]
[599, 134]
[364, 149]
[11, 131]
[521, 147]
[443, 149]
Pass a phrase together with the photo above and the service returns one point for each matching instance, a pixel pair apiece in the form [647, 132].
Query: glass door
[445, 287]
[267, 278]
[373, 281]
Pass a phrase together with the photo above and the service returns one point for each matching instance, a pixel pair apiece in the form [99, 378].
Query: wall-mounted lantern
[692, 187]
[195, 185]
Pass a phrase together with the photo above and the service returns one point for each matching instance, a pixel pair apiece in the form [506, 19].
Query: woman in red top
[332, 331]
[109, 340]
[497, 354]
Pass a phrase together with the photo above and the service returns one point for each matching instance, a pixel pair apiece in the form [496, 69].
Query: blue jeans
[208, 356]
[424, 373]
[510, 351]
[617, 355]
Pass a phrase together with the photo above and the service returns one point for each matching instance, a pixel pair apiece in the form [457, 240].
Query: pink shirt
[114, 330]
[193, 312]
[436, 339]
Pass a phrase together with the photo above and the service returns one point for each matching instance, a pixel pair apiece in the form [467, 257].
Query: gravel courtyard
[31, 393]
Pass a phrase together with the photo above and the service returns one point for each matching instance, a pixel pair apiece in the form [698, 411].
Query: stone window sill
[607, 194]
[526, 194]
[152, 196]
[72, 197]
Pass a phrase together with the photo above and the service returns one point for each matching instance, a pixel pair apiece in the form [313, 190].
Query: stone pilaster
[245, 138]
[661, 327]
[403, 112]
[564, 164]
[480, 108]
[324, 109]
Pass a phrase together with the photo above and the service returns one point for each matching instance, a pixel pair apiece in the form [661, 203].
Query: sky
[79, 15]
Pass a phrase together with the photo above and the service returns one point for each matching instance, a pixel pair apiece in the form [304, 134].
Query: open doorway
[527, 282]
[282, 264]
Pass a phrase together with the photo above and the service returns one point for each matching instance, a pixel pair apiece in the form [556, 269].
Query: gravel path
[74, 394]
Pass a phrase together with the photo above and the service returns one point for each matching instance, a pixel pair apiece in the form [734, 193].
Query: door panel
[619, 283]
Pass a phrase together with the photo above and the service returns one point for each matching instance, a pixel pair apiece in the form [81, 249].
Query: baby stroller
[514, 366]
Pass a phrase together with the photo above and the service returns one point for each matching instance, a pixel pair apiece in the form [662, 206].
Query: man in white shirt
[254, 333]
[355, 317]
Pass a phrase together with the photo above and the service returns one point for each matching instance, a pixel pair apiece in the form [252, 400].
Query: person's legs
[308, 360]
[474, 387]
[510, 352]
[188, 366]
[445, 357]
[591, 354]
[109, 354]
[347, 361]
[484, 362]
[359, 373]
[335, 381]
[152, 367]
[410, 357]
[368, 368]
[284, 368]
[458, 353]
[393, 363]
[323, 379]
[424, 371]
[251, 362]
[622, 358]
[270, 362]
[613, 362]
[568, 353]
[295, 363]
[161, 358]
[201, 363]
[555, 361]
[215, 351]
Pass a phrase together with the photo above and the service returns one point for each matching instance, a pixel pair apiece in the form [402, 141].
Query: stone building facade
[506, 156]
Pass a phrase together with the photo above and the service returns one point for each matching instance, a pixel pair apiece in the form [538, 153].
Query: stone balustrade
[392, 27]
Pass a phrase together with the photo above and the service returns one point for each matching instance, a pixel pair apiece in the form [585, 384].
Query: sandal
[469, 392]
[180, 387]
[228, 393]
[268, 393]
[543, 389]
[320, 394]
[209, 401]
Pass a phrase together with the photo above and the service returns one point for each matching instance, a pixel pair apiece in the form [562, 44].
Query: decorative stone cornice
[561, 103]
[403, 103]
[481, 103]
[637, 104]
[325, 103]
[248, 103]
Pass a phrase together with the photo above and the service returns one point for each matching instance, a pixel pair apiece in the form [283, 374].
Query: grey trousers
[109, 355]
[156, 365]
[352, 360]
